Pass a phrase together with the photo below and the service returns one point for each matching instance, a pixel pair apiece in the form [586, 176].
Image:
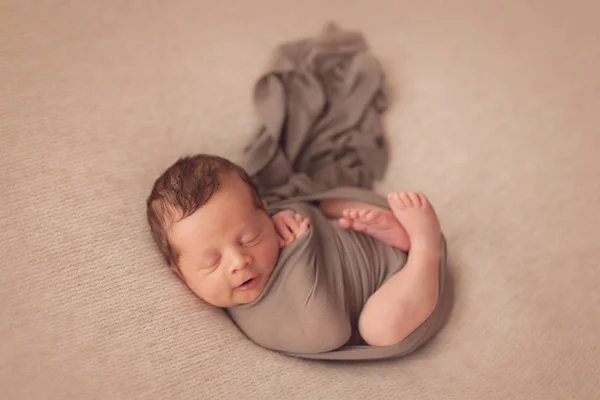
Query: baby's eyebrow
[253, 222]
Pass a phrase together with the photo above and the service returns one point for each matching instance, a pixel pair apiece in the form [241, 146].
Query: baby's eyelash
[254, 239]
[212, 264]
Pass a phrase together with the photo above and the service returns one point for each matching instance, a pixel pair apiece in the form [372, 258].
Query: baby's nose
[239, 261]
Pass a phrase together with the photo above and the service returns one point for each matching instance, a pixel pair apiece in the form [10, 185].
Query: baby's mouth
[247, 284]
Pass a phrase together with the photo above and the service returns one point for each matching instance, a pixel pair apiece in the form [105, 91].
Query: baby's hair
[183, 188]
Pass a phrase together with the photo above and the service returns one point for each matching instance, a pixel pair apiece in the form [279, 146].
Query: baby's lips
[240, 283]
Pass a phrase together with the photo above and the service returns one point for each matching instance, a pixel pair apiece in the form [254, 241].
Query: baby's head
[213, 229]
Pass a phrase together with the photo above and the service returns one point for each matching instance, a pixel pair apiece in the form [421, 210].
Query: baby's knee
[376, 330]
[387, 326]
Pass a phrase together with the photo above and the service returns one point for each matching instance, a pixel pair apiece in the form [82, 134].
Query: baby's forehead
[224, 215]
[238, 216]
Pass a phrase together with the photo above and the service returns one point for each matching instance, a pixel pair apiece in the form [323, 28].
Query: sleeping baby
[345, 274]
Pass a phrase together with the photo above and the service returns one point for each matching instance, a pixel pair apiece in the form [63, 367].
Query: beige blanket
[321, 138]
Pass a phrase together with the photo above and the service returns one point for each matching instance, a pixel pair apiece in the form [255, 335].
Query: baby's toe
[363, 213]
[372, 215]
[344, 223]
[405, 198]
[423, 198]
[415, 199]
[396, 201]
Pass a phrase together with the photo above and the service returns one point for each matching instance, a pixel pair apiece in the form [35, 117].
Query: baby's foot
[418, 217]
[377, 222]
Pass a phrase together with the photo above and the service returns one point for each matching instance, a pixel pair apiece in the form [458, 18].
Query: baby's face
[228, 247]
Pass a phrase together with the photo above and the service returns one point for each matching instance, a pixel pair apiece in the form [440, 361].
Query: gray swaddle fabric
[321, 138]
[320, 105]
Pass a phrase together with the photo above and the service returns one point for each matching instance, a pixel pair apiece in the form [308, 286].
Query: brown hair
[182, 189]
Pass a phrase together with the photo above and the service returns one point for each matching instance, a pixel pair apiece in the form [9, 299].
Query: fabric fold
[320, 106]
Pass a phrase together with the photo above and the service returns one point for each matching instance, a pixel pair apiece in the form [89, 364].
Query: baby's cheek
[204, 289]
[219, 295]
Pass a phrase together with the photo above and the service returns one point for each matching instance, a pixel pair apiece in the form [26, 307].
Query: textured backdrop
[494, 115]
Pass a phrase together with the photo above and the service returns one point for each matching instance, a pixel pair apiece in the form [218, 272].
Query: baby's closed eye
[211, 262]
[251, 240]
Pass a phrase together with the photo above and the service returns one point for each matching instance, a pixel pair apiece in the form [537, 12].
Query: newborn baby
[224, 243]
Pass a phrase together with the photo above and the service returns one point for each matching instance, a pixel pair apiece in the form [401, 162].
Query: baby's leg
[409, 297]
